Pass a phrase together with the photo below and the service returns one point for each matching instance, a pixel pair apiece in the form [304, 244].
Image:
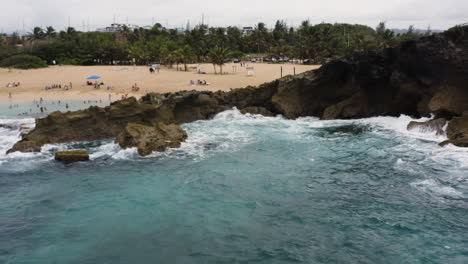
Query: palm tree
[36, 35]
[169, 53]
[260, 35]
[50, 32]
[186, 54]
[219, 56]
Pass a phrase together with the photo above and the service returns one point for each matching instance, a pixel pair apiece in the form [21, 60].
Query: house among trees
[115, 27]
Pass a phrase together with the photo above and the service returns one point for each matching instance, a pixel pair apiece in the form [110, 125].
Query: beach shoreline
[122, 78]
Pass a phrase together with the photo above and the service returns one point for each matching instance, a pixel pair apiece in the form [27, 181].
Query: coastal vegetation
[23, 61]
[309, 43]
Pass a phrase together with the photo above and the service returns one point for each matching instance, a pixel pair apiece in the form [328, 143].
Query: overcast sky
[439, 14]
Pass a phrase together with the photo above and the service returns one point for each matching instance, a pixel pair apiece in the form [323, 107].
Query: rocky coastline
[423, 77]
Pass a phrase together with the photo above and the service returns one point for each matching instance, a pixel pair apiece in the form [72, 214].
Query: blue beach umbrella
[94, 77]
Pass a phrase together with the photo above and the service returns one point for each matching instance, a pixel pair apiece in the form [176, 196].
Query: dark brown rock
[353, 107]
[436, 125]
[72, 156]
[151, 138]
[25, 146]
[457, 132]
[449, 99]
[255, 110]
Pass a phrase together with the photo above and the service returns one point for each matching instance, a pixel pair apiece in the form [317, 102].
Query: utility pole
[69, 21]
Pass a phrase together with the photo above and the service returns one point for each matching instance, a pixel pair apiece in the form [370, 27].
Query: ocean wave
[433, 187]
[230, 130]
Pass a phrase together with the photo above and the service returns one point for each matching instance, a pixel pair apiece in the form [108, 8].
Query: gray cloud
[397, 13]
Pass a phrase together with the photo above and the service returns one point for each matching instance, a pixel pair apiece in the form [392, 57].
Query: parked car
[256, 60]
[294, 61]
[236, 60]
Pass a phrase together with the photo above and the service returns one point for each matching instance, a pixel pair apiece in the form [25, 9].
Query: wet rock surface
[457, 132]
[436, 125]
[72, 156]
[151, 138]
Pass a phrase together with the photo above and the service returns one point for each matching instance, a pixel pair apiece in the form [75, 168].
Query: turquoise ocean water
[242, 189]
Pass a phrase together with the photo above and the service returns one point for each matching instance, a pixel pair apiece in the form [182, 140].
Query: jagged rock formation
[457, 132]
[151, 138]
[420, 77]
[71, 156]
[436, 125]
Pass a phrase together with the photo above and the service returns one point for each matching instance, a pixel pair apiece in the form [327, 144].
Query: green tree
[186, 55]
[219, 56]
[50, 33]
[260, 36]
[385, 36]
[36, 35]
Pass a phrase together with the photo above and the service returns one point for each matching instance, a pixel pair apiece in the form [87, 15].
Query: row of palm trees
[319, 42]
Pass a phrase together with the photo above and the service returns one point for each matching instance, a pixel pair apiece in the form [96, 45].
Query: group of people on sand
[13, 84]
[96, 85]
[199, 82]
[59, 86]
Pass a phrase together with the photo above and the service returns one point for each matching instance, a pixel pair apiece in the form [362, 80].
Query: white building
[246, 31]
[116, 28]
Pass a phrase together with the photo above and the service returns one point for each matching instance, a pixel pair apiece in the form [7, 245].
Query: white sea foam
[230, 130]
[433, 187]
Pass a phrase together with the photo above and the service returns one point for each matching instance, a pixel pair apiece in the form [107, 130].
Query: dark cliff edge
[418, 78]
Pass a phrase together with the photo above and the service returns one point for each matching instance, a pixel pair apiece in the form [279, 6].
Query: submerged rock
[8, 126]
[436, 125]
[72, 156]
[151, 138]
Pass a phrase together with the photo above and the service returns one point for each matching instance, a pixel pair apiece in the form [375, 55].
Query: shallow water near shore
[242, 189]
[32, 109]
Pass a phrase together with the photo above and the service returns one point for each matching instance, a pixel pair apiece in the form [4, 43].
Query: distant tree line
[311, 43]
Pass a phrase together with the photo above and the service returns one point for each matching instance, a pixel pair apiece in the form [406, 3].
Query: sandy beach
[121, 79]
